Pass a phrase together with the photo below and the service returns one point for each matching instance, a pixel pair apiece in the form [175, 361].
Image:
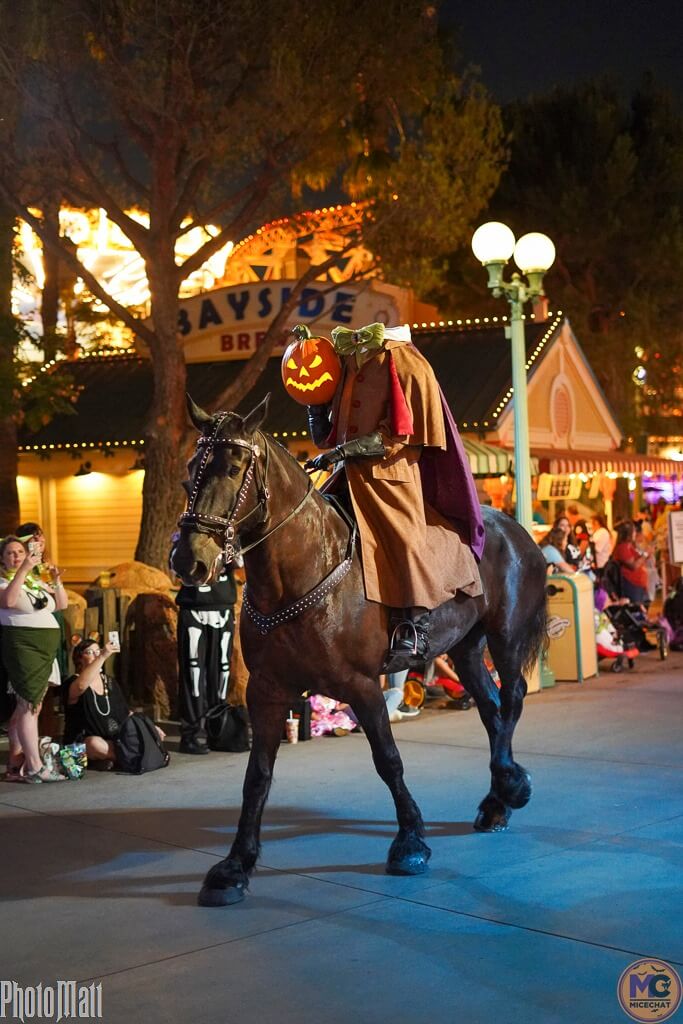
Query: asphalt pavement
[532, 926]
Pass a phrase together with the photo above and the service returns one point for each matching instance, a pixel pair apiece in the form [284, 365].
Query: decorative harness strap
[228, 525]
[267, 623]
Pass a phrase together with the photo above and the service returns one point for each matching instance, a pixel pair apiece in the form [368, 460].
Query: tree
[51, 395]
[232, 112]
[603, 176]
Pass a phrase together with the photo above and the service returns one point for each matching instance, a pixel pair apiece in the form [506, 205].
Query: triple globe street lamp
[493, 244]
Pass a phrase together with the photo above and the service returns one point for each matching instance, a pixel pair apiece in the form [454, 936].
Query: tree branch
[237, 225]
[101, 194]
[66, 253]
[189, 190]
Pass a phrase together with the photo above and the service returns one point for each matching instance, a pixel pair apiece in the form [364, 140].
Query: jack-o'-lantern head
[311, 369]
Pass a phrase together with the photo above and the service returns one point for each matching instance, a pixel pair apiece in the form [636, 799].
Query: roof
[472, 364]
[115, 393]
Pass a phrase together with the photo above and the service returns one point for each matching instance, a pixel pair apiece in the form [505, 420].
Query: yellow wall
[98, 520]
[91, 522]
[29, 499]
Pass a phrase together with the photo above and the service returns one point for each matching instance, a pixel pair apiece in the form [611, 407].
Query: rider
[409, 479]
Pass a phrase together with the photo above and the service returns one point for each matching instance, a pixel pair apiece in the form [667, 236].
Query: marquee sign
[231, 322]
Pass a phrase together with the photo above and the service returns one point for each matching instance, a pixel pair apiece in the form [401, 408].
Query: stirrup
[397, 630]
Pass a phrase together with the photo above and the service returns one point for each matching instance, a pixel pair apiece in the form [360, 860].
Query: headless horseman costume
[409, 480]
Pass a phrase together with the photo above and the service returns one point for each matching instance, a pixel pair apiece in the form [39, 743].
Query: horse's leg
[468, 658]
[511, 782]
[228, 880]
[408, 854]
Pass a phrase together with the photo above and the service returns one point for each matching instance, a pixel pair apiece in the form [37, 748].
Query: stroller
[629, 620]
[610, 642]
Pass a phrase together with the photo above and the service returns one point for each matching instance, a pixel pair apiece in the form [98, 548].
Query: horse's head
[220, 477]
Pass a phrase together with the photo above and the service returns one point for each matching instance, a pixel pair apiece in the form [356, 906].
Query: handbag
[228, 728]
[138, 747]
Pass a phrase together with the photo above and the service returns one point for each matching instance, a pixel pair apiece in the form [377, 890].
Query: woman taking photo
[94, 705]
[30, 638]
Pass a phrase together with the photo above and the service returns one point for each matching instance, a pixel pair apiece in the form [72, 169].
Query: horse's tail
[536, 644]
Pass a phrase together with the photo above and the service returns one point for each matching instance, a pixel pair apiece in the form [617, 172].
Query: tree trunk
[162, 496]
[9, 498]
[49, 306]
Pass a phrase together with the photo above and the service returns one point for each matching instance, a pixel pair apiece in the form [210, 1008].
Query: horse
[306, 625]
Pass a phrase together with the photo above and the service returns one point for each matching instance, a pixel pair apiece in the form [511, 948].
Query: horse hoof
[493, 816]
[414, 864]
[408, 855]
[483, 824]
[221, 897]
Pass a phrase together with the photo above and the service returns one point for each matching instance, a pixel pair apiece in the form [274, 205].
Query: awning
[488, 460]
[561, 463]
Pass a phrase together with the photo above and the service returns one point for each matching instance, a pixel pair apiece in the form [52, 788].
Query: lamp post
[493, 244]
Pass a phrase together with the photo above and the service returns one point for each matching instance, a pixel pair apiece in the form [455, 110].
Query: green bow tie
[363, 343]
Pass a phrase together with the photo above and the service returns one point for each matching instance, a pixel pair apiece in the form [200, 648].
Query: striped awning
[489, 460]
[485, 460]
[564, 462]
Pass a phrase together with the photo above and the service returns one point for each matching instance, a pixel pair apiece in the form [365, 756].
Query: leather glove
[318, 423]
[368, 446]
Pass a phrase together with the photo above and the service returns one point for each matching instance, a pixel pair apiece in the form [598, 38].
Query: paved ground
[532, 926]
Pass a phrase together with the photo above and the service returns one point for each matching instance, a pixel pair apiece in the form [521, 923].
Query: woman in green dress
[29, 639]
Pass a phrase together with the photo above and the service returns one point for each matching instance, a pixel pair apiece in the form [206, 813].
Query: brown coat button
[360, 378]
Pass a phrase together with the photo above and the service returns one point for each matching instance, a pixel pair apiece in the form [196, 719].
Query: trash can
[572, 654]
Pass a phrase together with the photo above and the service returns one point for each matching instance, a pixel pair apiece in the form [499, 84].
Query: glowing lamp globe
[493, 242]
[534, 253]
[311, 369]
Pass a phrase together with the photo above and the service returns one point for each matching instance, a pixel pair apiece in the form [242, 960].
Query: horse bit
[228, 525]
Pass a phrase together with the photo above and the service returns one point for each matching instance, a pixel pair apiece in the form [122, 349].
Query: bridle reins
[228, 525]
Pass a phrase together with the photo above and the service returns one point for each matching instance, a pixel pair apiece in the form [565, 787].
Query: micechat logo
[649, 990]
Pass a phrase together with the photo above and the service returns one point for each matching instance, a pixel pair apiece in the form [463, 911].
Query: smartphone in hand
[114, 638]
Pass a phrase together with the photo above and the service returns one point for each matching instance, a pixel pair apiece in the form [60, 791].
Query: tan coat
[412, 556]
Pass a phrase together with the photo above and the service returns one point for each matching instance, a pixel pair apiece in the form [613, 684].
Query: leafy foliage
[231, 112]
[603, 176]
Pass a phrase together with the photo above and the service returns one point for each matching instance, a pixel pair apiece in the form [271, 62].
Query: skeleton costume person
[408, 478]
[206, 627]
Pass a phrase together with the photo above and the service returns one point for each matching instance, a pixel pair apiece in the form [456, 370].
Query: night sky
[528, 46]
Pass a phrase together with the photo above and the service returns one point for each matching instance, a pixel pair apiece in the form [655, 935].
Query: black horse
[306, 625]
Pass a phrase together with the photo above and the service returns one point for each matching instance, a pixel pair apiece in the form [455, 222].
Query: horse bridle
[228, 525]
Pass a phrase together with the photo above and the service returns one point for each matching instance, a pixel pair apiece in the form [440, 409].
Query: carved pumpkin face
[311, 371]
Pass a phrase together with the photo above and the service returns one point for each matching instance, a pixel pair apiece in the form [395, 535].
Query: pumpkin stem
[301, 332]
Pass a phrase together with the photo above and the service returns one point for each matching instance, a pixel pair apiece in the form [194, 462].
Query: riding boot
[409, 644]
